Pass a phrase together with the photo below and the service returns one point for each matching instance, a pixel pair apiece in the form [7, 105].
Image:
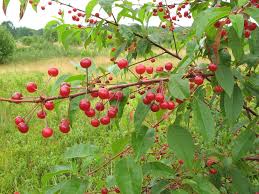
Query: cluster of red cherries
[165, 9]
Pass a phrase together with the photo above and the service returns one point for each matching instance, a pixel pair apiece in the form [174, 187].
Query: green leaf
[140, 114]
[225, 78]
[242, 2]
[253, 12]
[23, 5]
[75, 186]
[158, 169]
[54, 189]
[142, 139]
[89, 7]
[236, 44]
[119, 144]
[238, 24]
[160, 186]
[207, 18]
[233, 105]
[58, 170]
[57, 84]
[203, 120]
[73, 108]
[5, 5]
[107, 5]
[240, 183]
[179, 191]
[128, 176]
[203, 186]
[80, 151]
[244, 142]
[178, 87]
[181, 142]
[143, 47]
[253, 42]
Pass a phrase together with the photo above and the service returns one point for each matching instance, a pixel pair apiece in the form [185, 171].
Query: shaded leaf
[181, 142]
[178, 87]
[128, 176]
[238, 23]
[233, 105]
[203, 119]
[142, 139]
[140, 114]
[80, 151]
[158, 169]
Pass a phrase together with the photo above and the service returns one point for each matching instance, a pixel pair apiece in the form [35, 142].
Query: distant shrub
[7, 45]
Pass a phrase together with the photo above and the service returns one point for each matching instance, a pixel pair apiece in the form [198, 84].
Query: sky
[38, 20]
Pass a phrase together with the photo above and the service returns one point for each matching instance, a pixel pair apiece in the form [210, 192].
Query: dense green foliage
[7, 45]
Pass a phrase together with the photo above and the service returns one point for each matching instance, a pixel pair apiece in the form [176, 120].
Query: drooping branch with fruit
[184, 110]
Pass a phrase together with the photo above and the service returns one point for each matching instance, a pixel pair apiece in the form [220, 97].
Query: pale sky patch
[39, 19]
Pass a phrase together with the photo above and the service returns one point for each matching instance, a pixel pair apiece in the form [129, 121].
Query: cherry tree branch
[136, 34]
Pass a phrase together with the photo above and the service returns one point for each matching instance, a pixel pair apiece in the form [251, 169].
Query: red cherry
[99, 106]
[23, 127]
[118, 96]
[85, 63]
[109, 36]
[210, 162]
[150, 96]
[97, 15]
[159, 69]
[31, 87]
[114, 108]
[123, 63]
[140, 69]
[53, 72]
[164, 105]
[41, 114]
[105, 120]
[218, 89]
[74, 9]
[149, 70]
[95, 123]
[154, 108]
[198, 80]
[84, 105]
[103, 93]
[42, 7]
[49, 105]
[50, 3]
[111, 113]
[113, 49]
[90, 112]
[64, 126]
[94, 94]
[212, 67]
[213, 171]
[104, 191]
[153, 60]
[64, 91]
[168, 66]
[159, 97]
[252, 26]
[117, 190]
[180, 162]
[247, 34]
[17, 96]
[171, 105]
[146, 101]
[19, 120]
[47, 132]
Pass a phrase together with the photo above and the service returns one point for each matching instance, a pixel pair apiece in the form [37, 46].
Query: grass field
[24, 159]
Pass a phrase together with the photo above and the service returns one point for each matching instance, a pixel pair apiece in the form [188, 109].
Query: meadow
[24, 159]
